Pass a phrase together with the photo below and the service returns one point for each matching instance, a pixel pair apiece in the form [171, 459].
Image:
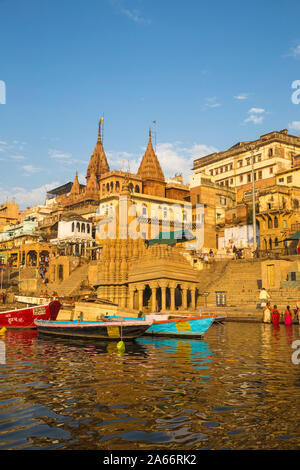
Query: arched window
[103, 188]
[117, 186]
[78, 227]
[276, 243]
[130, 186]
[111, 186]
[73, 226]
[144, 210]
[275, 222]
[270, 243]
[107, 186]
[270, 224]
[88, 228]
[83, 228]
[137, 188]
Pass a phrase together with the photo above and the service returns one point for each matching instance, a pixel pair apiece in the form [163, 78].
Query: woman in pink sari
[288, 319]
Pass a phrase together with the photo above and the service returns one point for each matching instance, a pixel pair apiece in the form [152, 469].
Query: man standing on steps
[264, 297]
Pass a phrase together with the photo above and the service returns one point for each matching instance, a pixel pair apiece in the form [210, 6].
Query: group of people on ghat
[273, 315]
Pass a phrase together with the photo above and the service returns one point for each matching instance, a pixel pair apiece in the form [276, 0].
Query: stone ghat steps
[70, 285]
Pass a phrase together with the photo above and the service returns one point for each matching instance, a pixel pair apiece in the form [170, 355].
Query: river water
[238, 388]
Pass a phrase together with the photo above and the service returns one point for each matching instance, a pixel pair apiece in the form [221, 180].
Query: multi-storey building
[271, 153]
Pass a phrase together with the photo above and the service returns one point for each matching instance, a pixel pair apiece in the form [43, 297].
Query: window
[271, 170]
[83, 228]
[240, 163]
[270, 153]
[88, 227]
[259, 158]
[211, 172]
[249, 177]
[198, 198]
[223, 201]
[241, 178]
[78, 227]
[230, 166]
[221, 169]
[226, 168]
[144, 210]
[260, 175]
[73, 226]
[281, 180]
[248, 161]
[231, 181]
[289, 179]
[284, 223]
[275, 222]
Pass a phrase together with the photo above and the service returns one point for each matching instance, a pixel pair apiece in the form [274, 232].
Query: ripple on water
[217, 393]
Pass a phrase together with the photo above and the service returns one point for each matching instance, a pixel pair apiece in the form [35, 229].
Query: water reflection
[238, 388]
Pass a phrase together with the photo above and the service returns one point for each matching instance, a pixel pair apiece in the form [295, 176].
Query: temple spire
[98, 161]
[150, 167]
[99, 130]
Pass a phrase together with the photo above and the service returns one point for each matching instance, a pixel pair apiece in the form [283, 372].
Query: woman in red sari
[288, 319]
[275, 315]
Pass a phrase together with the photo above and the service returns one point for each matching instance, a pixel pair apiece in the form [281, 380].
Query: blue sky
[210, 73]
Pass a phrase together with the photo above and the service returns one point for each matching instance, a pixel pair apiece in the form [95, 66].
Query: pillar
[184, 297]
[131, 297]
[141, 292]
[153, 297]
[193, 298]
[172, 298]
[163, 286]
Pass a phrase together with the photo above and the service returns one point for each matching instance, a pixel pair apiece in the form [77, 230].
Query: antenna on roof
[154, 122]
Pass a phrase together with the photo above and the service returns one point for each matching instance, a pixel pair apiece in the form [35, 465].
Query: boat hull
[194, 327]
[179, 327]
[24, 317]
[111, 330]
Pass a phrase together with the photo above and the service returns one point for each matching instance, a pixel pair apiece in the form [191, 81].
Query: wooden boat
[24, 317]
[105, 330]
[176, 325]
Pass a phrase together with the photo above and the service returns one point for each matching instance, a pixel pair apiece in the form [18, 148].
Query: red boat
[24, 317]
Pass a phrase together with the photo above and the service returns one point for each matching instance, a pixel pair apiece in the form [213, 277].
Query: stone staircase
[238, 278]
[72, 284]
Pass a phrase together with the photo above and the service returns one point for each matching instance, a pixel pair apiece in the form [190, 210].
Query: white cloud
[295, 51]
[134, 15]
[256, 110]
[242, 96]
[30, 170]
[27, 198]
[59, 155]
[295, 125]
[17, 157]
[173, 157]
[212, 102]
[256, 115]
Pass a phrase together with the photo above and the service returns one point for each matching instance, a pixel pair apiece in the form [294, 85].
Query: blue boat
[176, 326]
